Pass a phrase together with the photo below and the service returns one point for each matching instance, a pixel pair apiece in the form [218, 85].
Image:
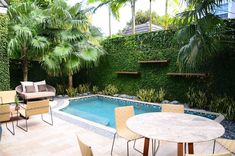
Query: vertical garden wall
[4, 60]
[124, 54]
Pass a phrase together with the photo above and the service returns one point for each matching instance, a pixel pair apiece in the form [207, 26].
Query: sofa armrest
[51, 89]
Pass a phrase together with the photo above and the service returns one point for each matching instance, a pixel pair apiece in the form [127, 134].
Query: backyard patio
[61, 140]
[160, 84]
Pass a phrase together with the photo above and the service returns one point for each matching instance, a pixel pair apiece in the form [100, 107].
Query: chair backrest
[172, 108]
[85, 150]
[7, 96]
[219, 154]
[37, 107]
[228, 144]
[4, 112]
[122, 114]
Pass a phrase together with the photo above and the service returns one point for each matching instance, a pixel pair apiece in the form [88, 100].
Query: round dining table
[174, 127]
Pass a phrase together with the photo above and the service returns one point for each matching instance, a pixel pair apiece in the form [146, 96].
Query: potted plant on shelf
[17, 107]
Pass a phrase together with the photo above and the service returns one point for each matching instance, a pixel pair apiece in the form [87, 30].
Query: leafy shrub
[60, 89]
[110, 90]
[72, 92]
[224, 105]
[197, 99]
[95, 89]
[148, 95]
[161, 95]
[83, 88]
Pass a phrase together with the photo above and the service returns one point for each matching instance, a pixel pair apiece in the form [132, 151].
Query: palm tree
[166, 14]
[74, 47]
[26, 43]
[114, 7]
[150, 15]
[202, 33]
[133, 15]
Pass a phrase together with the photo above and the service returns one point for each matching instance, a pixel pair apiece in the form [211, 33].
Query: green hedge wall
[4, 60]
[124, 53]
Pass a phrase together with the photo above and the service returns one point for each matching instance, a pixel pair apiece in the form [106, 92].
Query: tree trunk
[24, 63]
[70, 80]
[110, 15]
[166, 15]
[133, 16]
[150, 15]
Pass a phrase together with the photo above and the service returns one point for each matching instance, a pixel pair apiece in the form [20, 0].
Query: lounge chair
[7, 97]
[122, 114]
[6, 115]
[85, 150]
[220, 154]
[34, 108]
[49, 93]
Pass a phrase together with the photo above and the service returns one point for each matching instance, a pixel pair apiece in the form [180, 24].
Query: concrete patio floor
[60, 140]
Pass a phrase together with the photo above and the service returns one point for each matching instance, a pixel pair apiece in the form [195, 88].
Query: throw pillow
[42, 88]
[26, 83]
[30, 89]
[36, 84]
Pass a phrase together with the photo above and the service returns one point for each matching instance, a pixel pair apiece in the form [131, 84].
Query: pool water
[100, 109]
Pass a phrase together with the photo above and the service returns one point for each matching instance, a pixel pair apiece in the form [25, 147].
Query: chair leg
[50, 123]
[13, 128]
[136, 148]
[114, 137]
[26, 124]
[127, 148]
[214, 146]
[155, 148]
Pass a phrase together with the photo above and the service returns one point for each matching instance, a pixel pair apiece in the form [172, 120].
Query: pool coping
[104, 130]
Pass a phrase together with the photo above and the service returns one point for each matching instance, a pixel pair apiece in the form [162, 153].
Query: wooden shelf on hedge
[188, 74]
[128, 73]
[154, 62]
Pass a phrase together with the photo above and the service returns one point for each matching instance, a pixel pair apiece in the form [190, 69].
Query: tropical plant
[202, 33]
[74, 46]
[71, 92]
[83, 88]
[60, 89]
[160, 95]
[26, 43]
[110, 90]
[95, 89]
[197, 99]
[224, 105]
[148, 95]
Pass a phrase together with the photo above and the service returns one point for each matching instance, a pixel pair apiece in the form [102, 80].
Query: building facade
[226, 10]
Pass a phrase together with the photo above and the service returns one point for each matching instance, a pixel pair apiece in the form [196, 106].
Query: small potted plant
[17, 107]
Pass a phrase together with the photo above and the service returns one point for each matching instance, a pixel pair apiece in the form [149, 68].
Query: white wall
[231, 9]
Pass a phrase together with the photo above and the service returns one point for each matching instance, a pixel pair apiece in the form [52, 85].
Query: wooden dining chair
[85, 149]
[172, 108]
[227, 143]
[34, 108]
[219, 154]
[122, 114]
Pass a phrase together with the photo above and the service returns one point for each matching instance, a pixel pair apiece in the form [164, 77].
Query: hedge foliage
[4, 60]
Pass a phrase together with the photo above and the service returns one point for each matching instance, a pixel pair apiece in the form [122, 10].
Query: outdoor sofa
[48, 92]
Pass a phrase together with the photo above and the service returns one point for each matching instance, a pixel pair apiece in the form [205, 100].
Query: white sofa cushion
[26, 83]
[38, 83]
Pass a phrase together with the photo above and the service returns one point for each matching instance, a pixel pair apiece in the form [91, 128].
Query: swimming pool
[100, 109]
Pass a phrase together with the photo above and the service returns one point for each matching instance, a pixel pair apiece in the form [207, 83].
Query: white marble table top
[175, 127]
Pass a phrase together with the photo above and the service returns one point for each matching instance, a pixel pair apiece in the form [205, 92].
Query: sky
[100, 17]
